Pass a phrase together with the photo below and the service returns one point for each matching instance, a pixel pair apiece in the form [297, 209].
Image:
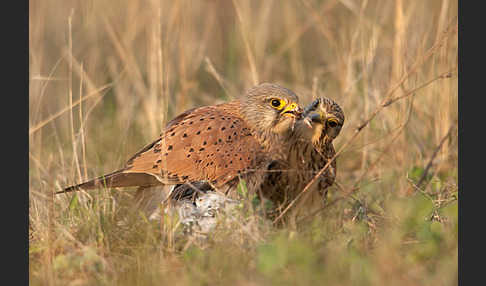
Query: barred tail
[116, 179]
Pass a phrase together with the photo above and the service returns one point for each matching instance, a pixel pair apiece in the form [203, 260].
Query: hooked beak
[311, 107]
[310, 115]
[314, 117]
[292, 110]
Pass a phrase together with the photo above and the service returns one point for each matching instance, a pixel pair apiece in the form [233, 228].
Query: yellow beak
[292, 109]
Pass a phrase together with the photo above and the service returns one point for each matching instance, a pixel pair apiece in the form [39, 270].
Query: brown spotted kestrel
[216, 144]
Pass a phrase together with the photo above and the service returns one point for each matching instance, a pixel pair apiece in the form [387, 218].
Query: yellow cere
[292, 106]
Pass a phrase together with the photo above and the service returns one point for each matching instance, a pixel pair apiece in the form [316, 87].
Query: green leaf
[73, 204]
[241, 188]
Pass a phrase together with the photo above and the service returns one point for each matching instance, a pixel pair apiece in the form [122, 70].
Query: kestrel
[309, 153]
[217, 144]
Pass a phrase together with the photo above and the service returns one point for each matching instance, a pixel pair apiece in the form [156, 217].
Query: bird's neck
[273, 143]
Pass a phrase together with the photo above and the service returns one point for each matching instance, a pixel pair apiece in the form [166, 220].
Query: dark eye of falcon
[275, 103]
[332, 123]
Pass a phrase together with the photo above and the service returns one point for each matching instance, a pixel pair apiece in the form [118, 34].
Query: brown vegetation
[105, 77]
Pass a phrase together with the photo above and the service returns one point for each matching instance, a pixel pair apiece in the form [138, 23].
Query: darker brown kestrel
[310, 150]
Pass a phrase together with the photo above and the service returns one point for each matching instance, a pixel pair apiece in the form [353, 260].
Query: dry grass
[105, 76]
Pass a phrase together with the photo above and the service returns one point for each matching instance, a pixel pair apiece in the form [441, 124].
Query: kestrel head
[326, 119]
[270, 107]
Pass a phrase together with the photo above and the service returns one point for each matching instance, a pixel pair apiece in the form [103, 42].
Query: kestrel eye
[275, 102]
[332, 122]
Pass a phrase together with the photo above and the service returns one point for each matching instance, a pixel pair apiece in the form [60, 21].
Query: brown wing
[210, 143]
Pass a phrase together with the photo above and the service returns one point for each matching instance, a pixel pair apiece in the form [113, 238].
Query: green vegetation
[105, 77]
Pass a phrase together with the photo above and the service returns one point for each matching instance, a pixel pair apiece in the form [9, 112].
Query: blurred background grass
[105, 77]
